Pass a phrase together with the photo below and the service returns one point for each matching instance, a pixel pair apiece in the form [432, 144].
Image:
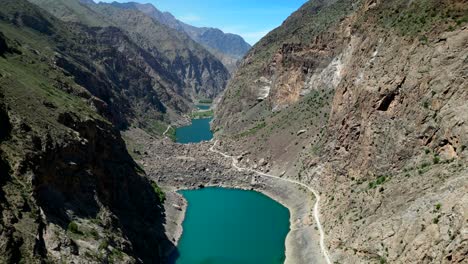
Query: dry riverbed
[176, 167]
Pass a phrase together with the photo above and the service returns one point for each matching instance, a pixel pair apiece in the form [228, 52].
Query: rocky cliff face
[180, 70]
[69, 190]
[366, 101]
[228, 48]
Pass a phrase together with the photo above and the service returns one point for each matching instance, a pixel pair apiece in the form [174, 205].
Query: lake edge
[290, 244]
[193, 122]
[250, 190]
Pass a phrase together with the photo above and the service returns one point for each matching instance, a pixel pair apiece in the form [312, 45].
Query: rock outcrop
[379, 89]
[69, 190]
[145, 72]
[228, 48]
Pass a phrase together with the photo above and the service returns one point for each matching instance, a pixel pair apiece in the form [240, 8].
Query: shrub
[380, 180]
[382, 260]
[423, 39]
[94, 233]
[424, 165]
[205, 101]
[202, 114]
[103, 246]
[73, 228]
[161, 195]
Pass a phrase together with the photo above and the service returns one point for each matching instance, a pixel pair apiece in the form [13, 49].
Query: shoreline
[301, 223]
[189, 166]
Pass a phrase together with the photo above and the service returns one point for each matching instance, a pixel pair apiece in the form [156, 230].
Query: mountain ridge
[229, 48]
[70, 190]
[179, 70]
[365, 101]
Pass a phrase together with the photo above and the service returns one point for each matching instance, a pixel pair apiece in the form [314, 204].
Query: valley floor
[177, 167]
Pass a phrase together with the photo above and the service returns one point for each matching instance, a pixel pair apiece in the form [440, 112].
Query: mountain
[183, 70]
[229, 48]
[69, 190]
[365, 101]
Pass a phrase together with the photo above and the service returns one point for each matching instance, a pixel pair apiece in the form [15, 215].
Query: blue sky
[252, 19]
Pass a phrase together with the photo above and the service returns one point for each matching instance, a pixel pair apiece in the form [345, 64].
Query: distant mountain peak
[227, 47]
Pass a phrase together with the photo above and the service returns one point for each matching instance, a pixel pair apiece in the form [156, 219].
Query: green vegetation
[74, 11]
[382, 260]
[425, 165]
[379, 181]
[420, 16]
[73, 228]
[302, 29]
[202, 114]
[426, 104]
[94, 233]
[161, 195]
[251, 131]
[438, 206]
[116, 256]
[158, 127]
[171, 133]
[104, 245]
[205, 101]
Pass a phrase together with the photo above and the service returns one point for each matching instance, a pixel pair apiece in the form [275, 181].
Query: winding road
[316, 212]
[167, 130]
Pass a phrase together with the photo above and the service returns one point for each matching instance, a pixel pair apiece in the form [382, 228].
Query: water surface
[197, 132]
[226, 226]
[204, 107]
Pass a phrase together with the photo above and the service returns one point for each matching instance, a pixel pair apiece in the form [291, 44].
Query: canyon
[352, 114]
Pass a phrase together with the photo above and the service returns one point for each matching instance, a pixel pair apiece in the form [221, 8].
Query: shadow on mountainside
[79, 178]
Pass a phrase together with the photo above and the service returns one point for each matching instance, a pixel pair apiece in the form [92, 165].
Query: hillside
[184, 70]
[228, 48]
[70, 192]
[366, 102]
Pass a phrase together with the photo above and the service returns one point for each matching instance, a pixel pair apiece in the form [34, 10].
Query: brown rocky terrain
[228, 48]
[147, 73]
[69, 190]
[373, 92]
[363, 101]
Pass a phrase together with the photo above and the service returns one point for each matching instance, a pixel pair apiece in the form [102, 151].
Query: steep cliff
[366, 101]
[199, 73]
[180, 67]
[228, 48]
[69, 191]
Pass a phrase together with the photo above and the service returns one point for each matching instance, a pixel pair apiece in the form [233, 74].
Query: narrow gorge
[130, 136]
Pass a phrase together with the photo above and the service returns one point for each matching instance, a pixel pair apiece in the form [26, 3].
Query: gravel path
[316, 194]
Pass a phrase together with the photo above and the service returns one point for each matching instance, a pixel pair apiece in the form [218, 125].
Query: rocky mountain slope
[228, 48]
[69, 190]
[180, 69]
[365, 101]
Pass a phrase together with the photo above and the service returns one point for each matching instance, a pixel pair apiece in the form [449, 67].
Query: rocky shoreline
[176, 167]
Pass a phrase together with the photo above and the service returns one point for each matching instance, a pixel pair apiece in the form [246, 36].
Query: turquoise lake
[198, 131]
[227, 226]
[203, 107]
